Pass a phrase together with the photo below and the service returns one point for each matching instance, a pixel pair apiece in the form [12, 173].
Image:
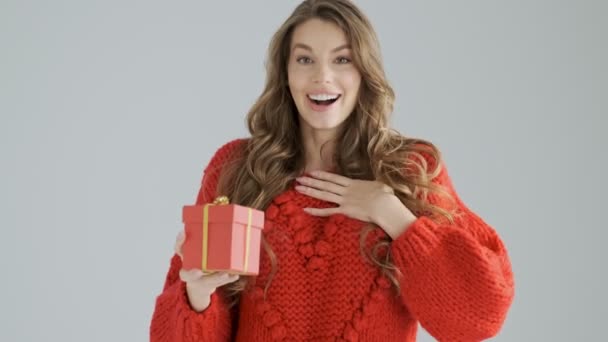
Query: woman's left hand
[367, 201]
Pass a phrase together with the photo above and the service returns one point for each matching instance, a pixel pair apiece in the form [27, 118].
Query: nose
[322, 74]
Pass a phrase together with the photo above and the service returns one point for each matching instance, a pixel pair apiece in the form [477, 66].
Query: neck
[319, 147]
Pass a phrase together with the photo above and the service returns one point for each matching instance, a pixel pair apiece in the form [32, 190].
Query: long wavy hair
[365, 148]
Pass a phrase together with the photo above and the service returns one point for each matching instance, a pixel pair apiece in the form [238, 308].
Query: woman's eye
[303, 60]
[306, 60]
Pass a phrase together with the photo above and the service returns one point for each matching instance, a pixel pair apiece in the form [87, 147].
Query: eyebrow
[306, 47]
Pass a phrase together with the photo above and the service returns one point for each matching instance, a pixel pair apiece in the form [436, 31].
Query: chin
[330, 124]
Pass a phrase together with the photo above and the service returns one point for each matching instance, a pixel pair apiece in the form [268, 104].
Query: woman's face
[323, 80]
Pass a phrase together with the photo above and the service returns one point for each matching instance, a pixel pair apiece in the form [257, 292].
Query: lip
[319, 108]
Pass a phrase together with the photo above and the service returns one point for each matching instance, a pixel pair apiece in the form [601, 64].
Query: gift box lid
[227, 213]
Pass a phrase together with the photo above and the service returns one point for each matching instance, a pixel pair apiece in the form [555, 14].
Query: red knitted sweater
[457, 280]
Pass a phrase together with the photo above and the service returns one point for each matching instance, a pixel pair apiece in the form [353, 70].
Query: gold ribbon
[223, 200]
[247, 239]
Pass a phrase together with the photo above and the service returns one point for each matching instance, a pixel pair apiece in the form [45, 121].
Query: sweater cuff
[184, 310]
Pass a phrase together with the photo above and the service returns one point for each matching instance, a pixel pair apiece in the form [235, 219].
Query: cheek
[350, 80]
[353, 81]
[297, 80]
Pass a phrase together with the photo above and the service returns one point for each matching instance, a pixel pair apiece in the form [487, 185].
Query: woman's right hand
[200, 285]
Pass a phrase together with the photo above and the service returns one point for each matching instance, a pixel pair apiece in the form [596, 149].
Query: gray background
[111, 109]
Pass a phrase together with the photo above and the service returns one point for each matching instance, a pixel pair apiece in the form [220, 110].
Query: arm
[173, 319]
[457, 279]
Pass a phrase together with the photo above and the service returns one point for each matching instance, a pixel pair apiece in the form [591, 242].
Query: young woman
[365, 236]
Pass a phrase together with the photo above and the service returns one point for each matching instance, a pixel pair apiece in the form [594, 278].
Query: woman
[364, 234]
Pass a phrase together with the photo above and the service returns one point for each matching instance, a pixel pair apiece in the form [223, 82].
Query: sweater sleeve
[457, 278]
[173, 319]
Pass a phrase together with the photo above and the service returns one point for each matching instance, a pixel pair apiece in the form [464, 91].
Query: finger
[214, 279]
[181, 236]
[179, 242]
[218, 279]
[323, 195]
[323, 212]
[190, 275]
[196, 274]
[332, 177]
[322, 185]
[229, 278]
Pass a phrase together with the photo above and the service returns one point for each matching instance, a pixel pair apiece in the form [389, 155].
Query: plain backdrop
[110, 110]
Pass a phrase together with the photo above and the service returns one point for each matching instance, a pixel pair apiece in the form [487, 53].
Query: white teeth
[323, 97]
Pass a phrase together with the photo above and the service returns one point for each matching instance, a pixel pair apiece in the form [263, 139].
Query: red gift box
[222, 237]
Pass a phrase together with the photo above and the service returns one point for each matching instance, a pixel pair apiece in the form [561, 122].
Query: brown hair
[366, 148]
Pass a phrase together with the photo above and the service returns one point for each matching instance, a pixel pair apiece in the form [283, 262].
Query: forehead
[319, 34]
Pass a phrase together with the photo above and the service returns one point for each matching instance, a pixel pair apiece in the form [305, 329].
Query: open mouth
[326, 102]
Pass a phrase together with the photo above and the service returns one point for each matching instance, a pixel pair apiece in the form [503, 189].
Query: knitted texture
[457, 280]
